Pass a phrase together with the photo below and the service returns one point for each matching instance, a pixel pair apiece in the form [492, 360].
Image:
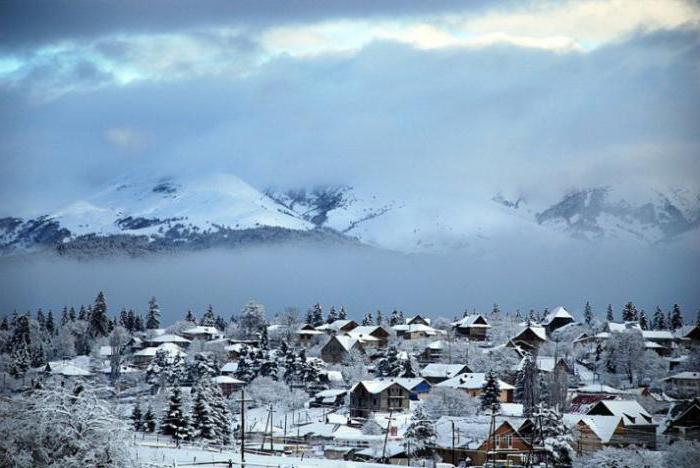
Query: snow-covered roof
[333, 392]
[442, 370]
[438, 344]
[230, 367]
[335, 325]
[602, 426]
[544, 363]
[687, 375]
[657, 334]
[557, 312]
[512, 409]
[345, 341]
[630, 411]
[472, 381]
[170, 348]
[684, 331]
[225, 379]
[378, 386]
[200, 330]
[598, 388]
[620, 327]
[364, 331]
[66, 369]
[168, 338]
[416, 317]
[336, 418]
[538, 330]
[123, 369]
[652, 345]
[334, 376]
[469, 321]
[418, 327]
[302, 331]
[105, 351]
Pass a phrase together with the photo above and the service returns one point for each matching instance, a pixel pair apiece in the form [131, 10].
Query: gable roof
[345, 341]
[416, 317]
[538, 331]
[418, 327]
[602, 426]
[336, 325]
[473, 321]
[544, 363]
[379, 385]
[444, 370]
[200, 330]
[631, 412]
[686, 375]
[557, 312]
[472, 381]
[169, 338]
[657, 334]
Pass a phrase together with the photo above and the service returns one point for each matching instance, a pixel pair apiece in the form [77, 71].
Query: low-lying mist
[362, 279]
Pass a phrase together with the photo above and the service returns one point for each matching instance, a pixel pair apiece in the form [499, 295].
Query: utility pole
[386, 436]
[452, 421]
[492, 429]
[243, 400]
[284, 436]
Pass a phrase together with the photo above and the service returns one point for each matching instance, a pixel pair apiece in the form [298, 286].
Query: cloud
[128, 139]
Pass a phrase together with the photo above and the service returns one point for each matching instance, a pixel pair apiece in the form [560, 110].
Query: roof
[544, 363]
[416, 317]
[105, 351]
[472, 381]
[687, 375]
[169, 338]
[365, 330]
[557, 312]
[657, 334]
[345, 341]
[438, 344]
[330, 393]
[602, 426]
[418, 327]
[442, 370]
[230, 367]
[620, 327]
[123, 369]
[378, 386]
[170, 348]
[335, 325]
[598, 388]
[225, 379]
[630, 411]
[200, 330]
[538, 330]
[66, 369]
[469, 320]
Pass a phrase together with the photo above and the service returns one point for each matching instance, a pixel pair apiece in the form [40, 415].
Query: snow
[472, 381]
[346, 342]
[686, 375]
[657, 334]
[602, 426]
[544, 363]
[229, 367]
[557, 312]
[225, 379]
[418, 327]
[468, 322]
[630, 411]
[441, 370]
[598, 388]
[167, 338]
[169, 348]
[200, 330]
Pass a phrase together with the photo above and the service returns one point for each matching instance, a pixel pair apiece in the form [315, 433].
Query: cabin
[661, 341]
[684, 421]
[557, 318]
[371, 336]
[145, 356]
[416, 331]
[636, 425]
[203, 333]
[333, 398]
[433, 351]
[338, 327]
[474, 327]
[594, 432]
[418, 320]
[688, 336]
[549, 365]
[683, 383]
[308, 334]
[418, 387]
[505, 444]
[369, 396]
[228, 384]
[473, 385]
[437, 373]
[530, 338]
[167, 338]
[338, 348]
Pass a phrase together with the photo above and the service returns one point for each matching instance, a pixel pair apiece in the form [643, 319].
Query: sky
[440, 100]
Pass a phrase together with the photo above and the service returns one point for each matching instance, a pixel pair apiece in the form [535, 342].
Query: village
[481, 389]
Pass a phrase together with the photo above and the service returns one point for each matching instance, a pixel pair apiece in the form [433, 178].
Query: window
[509, 441]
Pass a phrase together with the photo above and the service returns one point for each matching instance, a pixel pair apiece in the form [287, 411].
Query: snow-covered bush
[265, 391]
[443, 401]
[683, 454]
[420, 433]
[622, 458]
[62, 428]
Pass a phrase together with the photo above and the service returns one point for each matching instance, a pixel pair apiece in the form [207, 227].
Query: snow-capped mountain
[154, 214]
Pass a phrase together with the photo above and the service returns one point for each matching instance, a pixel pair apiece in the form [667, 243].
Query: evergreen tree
[420, 433]
[138, 323]
[208, 319]
[495, 311]
[203, 421]
[222, 415]
[153, 315]
[5, 325]
[317, 315]
[137, 417]
[190, 317]
[379, 318]
[176, 422]
[50, 326]
[252, 319]
[609, 315]
[149, 421]
[527, 385]
[124, 319]
[332, 315]
[368, 320]
[588, 314]
[264, 343]
[41, 319]
[643, 320]
[220, 323]
[676, 318]
[99, 322]
[489, 397]
[82, 315]
[65, 317]
[309, 317]
[629, 313]
[553, 435]
[394, 319]
[342, 315]
[402, 320]
[531, 317]
[659, 320]
[71, 314]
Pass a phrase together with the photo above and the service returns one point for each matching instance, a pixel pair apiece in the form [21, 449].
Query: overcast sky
[509, 96]
[440, 101]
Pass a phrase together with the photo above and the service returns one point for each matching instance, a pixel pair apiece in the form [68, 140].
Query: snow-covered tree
[354, 367]
[491, 393]
[289, 322]
[137, 417]
[622, 352]
[420, 433]
[190, 317]
[676, 317]
[343, 315]
[368, 319]
[610, 457]
[659, 320]
[149, 420]
[643, 320]
[208, 318]
[252, 319]
[444, 401]
[204, 365]
[316, 315]
[609, 314]
[682, 454]
[176, 421]
[332, 315]
[166, 369]
[527, 385]
[394, 319]
[153, 316]
[371, 427]
[49, 324]
[265, 391]
[379, 318]
[629, 313]
[203, 419]
[588, 314]
[99, 322]
[395, 364]
[264, 340]
[117, 344]
[552, 434]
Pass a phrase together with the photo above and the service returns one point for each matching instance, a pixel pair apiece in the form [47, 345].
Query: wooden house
[370, 396]
[338, 348]
[683, 384]
[228, 384]
[506, 445]
[531, 337]
[557, 318]
[475, 327]
[636, 425]
[433, 351]
[338, 327]
[473, 385]
[203, 333]
[437, 373]
[307, 335]
[416, 331]
[371, 336]
[333, 398]
[688, 336]
[684, 421]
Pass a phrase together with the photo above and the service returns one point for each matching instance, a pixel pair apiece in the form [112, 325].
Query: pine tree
[394, 319]
[588, 314]
[176, 422]
[609, 315]
[71, 314]
[5, 325]
[99, 322]
[124, 319]
[495, 311]
[222, 415]
[676, 318]
[491, 392]
[220, 323]
[65, 318]
[402, 320]
[420, 433]
[153, 315]
[527, 385]
[40, 318]
[82, 315]
[264, 343]
[309, 317]
[208, 319]
[669, 321]
[658, 322]
[379, 318]
[203, 421]
[332, 315]
[643, 320]
[317, 315]
[368, 320]
[138, 323]
[342, 314]
[190, 317]
[149, 421]
[629, 313]
[137, 417]
[553, 435]
[50, 327]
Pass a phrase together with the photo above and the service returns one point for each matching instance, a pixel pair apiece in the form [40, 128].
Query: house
[416, 331]
[557, 318]
[146, 355]
[338, 348]
[636, 425]
[228, 384]
[474, 327]
[661, 341]
[594, 432]
[338, 327]
[202, 333]
[684, 421]
[683, 383]
[418, 320]
[433, 351]
[688, 336]
[307, 334]
[368, 396]
[531, 337]
[329, 398]
[548, 364]
[436, 373]
[418, 387]
[229, 369]
[371, 336]
[473, 384]
[65, 369]
[505, 444]
[167, 338]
